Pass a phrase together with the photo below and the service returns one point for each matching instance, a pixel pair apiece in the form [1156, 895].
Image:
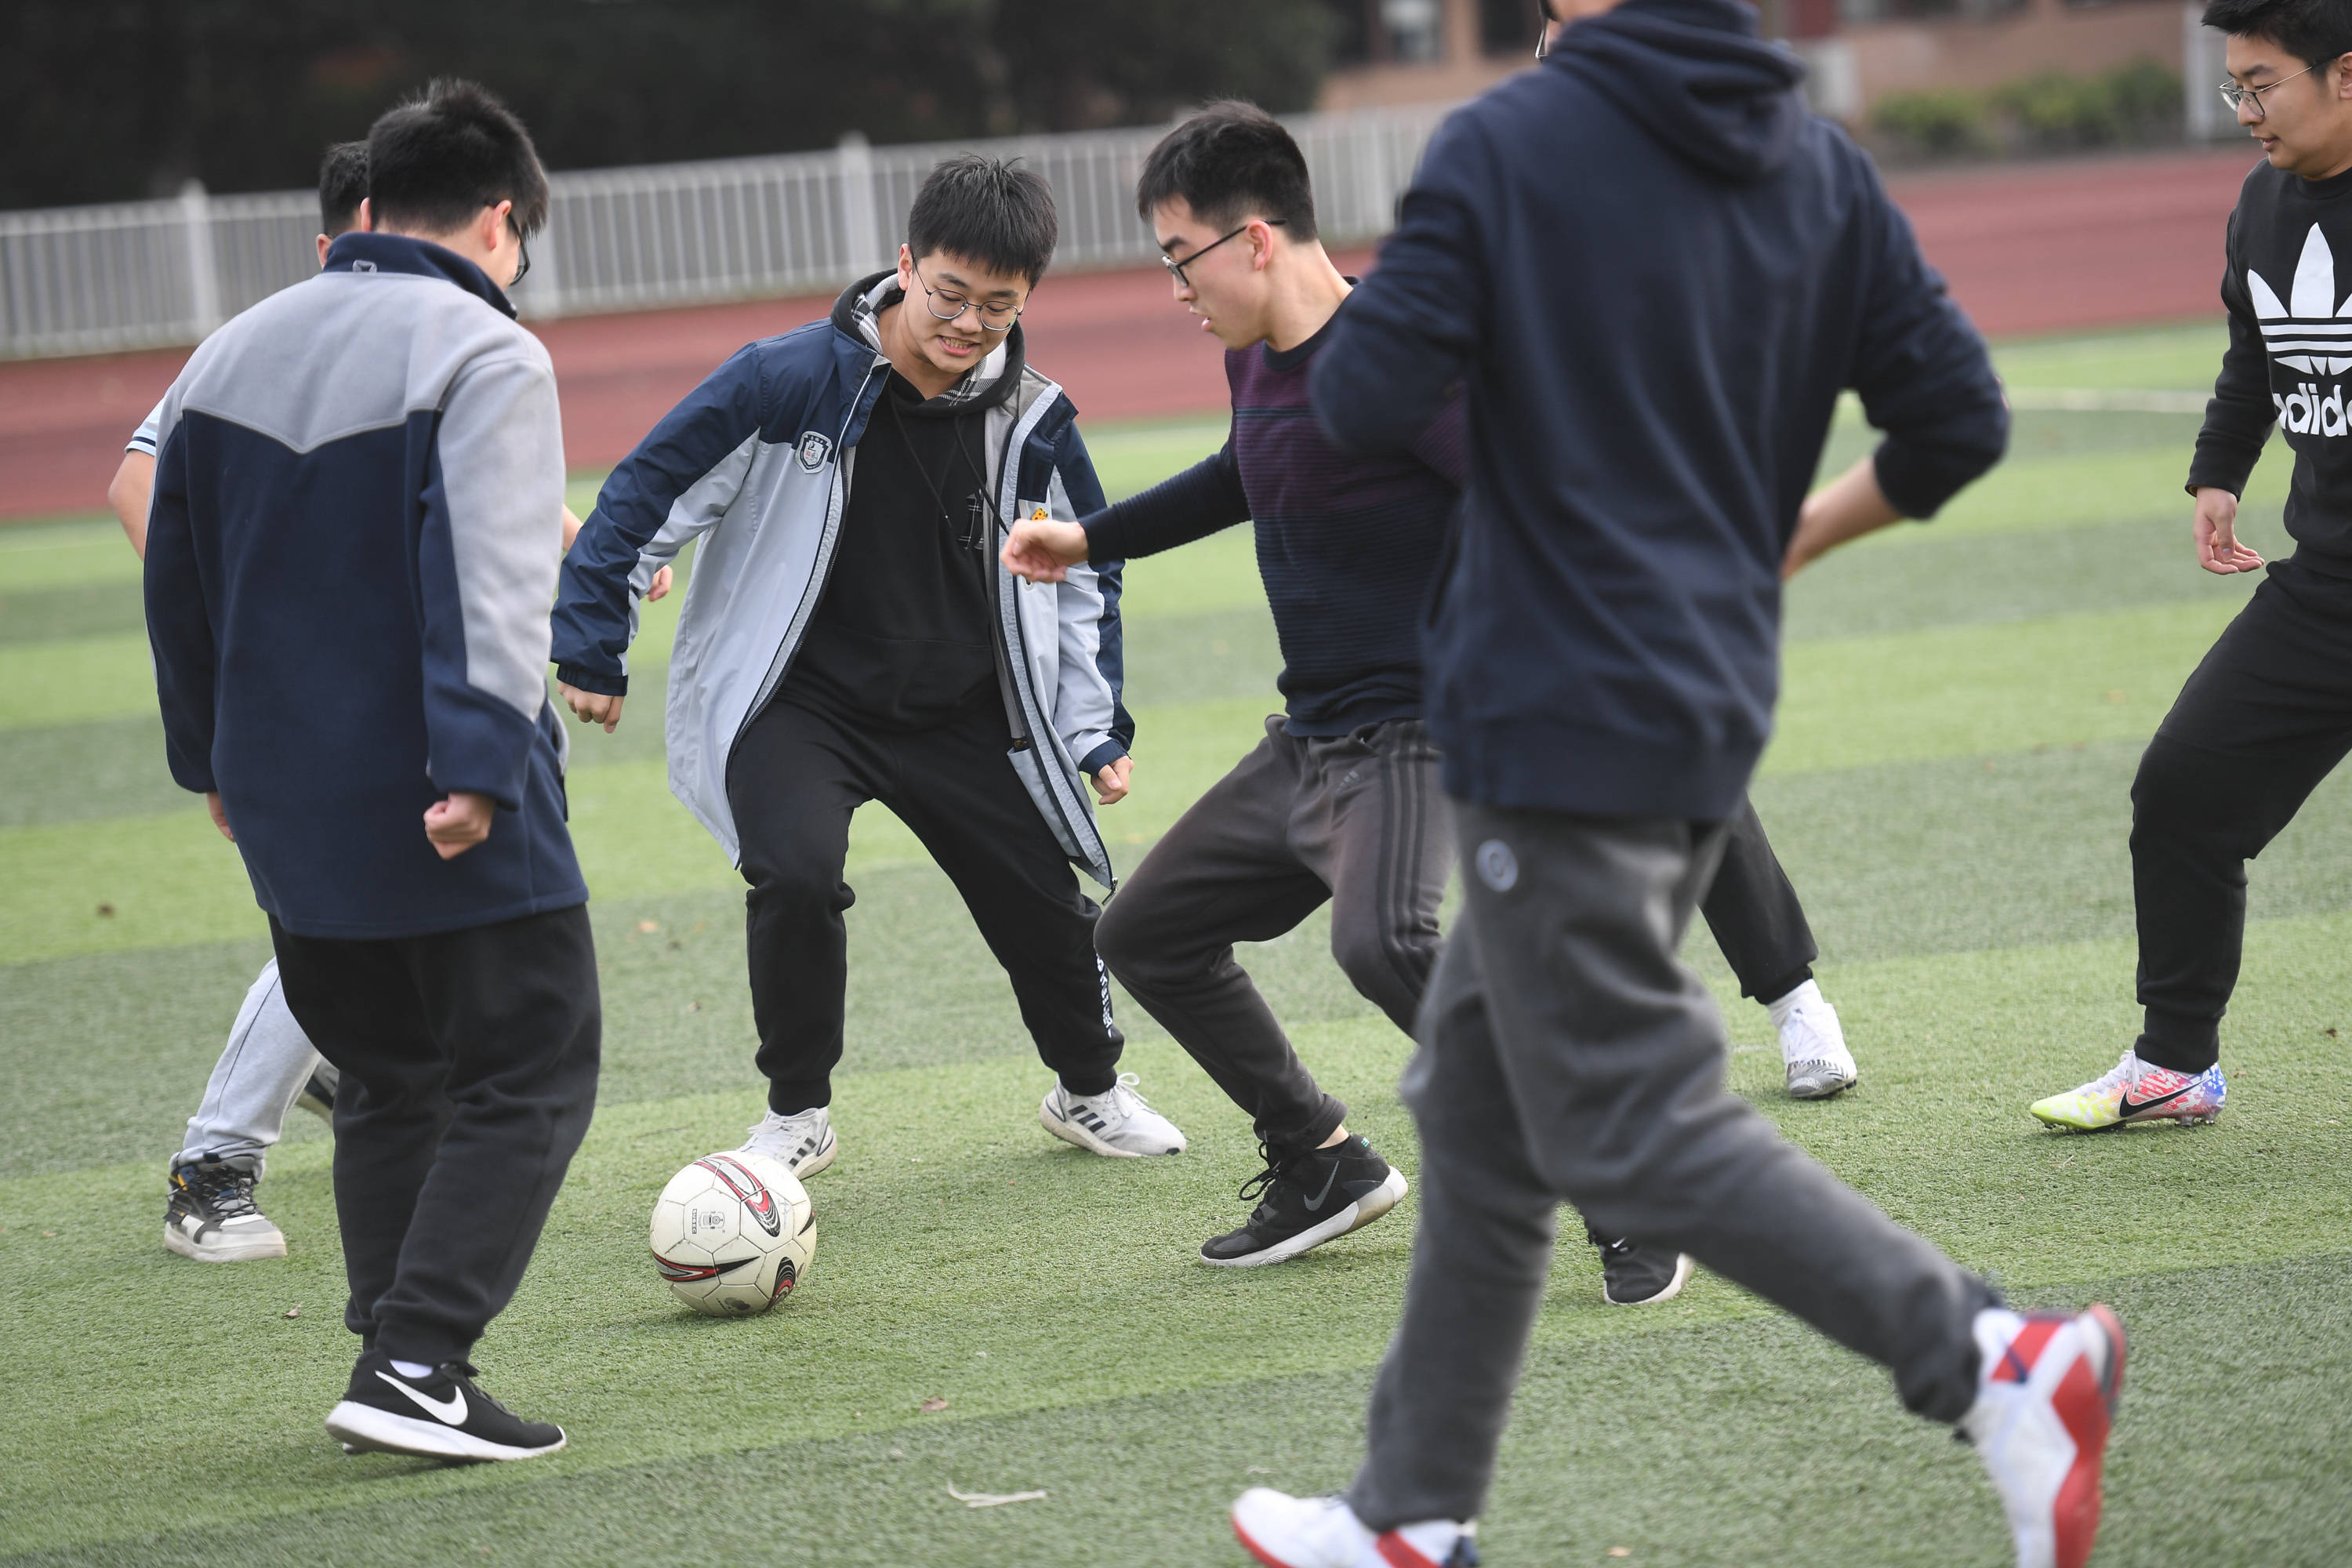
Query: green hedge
[2051, 111]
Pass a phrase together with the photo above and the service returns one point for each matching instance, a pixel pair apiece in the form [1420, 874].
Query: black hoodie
[1655, 271]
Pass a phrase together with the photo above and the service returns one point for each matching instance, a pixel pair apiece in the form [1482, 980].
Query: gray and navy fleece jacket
[357, 515]
[1653, 272]
[756, 464]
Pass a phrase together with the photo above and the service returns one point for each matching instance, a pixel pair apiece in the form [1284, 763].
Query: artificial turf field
[1964, 705]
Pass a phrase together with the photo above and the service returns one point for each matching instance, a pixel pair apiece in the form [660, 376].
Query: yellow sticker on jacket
[1040, 515]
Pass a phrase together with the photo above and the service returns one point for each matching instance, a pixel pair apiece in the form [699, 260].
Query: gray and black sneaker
[318, 1095]
[211, 1216]
[441, 1415]
[1632, 1275]
[1307, 1197]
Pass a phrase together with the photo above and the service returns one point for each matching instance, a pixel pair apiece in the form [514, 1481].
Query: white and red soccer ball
[733, 1233]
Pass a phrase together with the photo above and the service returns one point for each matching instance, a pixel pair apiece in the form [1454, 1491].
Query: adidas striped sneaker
[1118, 1121]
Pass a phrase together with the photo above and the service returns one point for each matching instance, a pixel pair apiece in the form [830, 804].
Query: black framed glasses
[522, 264]
[1543, 30]
[1176, 268]
[2233, 94]
[991, 318]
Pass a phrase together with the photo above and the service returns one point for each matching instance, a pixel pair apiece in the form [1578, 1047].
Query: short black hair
[2314, 31]
[988, 210]
[435, 160]
[1230, 162]
[342, 186]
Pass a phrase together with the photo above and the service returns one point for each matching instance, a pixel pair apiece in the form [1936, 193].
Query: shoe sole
[1673, 1286]
[2194, 1119]
[1830, 1093]
[236, 1252]
[1071, 1132]
[1353, 1219]
[1255, 1550]
[364, 1429]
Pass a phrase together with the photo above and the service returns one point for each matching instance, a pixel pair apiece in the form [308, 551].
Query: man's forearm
[1845, 509]
[134, 486]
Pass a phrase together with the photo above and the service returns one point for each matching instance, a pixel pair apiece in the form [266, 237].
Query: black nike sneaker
[1307, 1197]
[211, 1216]
[1632, 1275]
[441, 1415]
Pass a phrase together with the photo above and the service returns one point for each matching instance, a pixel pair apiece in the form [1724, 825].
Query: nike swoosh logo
[2124, 1105]
[1314, 1204]
[450, 1412]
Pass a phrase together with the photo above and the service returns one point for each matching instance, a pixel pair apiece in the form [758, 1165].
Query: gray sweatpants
[1567, 1055]
[264, 1065]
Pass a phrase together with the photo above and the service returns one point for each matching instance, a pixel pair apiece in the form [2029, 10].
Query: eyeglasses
[523, 265]
[1176, 268]
[993, 317]
[1543, 30]
[2233, 94]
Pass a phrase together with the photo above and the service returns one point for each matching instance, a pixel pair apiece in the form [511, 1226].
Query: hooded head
[1693, 74]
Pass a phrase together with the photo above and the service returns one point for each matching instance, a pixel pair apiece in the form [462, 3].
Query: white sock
[412, 1370]
[1780, 1009]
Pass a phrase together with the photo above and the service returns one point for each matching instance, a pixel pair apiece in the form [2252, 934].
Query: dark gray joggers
[1568, 1055]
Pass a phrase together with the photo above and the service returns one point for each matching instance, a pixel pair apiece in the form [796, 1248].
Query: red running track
[2041, 248]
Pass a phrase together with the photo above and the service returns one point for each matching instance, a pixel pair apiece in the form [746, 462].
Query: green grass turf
[1964, 706]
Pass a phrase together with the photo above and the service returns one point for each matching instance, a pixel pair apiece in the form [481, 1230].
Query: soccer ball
[733, 1233]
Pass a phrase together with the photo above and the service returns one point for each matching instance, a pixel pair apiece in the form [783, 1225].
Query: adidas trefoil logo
[2310, 332]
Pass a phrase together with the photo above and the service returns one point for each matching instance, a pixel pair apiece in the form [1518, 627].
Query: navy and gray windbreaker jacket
[357, 514]
[756, 463]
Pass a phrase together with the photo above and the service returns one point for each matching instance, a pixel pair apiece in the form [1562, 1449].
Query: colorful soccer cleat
[2134, 1090]
[2047, 1384]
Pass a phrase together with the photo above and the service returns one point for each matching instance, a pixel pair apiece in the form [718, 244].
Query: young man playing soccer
[1653, 272]
[1340, 801]
[350, 552]
[267, 1065]
[2268, 714]
[848, 637]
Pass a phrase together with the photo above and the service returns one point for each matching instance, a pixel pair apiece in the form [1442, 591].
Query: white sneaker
[1119, 1122]
[1285, 1532]
[1813, 1045]
[2046, 1390]
[804, 1141]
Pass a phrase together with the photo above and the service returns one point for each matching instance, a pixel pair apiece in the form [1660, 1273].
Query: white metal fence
[155, 274]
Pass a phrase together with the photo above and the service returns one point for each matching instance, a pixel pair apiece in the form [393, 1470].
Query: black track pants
[469, 1073]
[2262, 721]
[1754, 916]
[795, 777]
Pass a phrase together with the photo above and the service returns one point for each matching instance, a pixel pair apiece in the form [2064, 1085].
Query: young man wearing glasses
[848, 636]
[350, 552]
[1339, 803]
[2268, 714]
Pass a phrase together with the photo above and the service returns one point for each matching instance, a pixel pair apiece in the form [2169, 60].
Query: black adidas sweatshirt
[1654, 272]
[2290, 356]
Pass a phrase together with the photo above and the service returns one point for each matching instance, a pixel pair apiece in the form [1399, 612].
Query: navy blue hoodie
[1655, 271]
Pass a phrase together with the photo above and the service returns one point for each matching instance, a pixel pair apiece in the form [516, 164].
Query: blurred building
[1406, 51]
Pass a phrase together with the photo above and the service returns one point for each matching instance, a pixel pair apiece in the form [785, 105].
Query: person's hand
[220, 817]
[1843, 509]
[458, 821]
[659, 587]
[1044, 549]
[1110, 783]
[590, 706]
[2216, 532]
